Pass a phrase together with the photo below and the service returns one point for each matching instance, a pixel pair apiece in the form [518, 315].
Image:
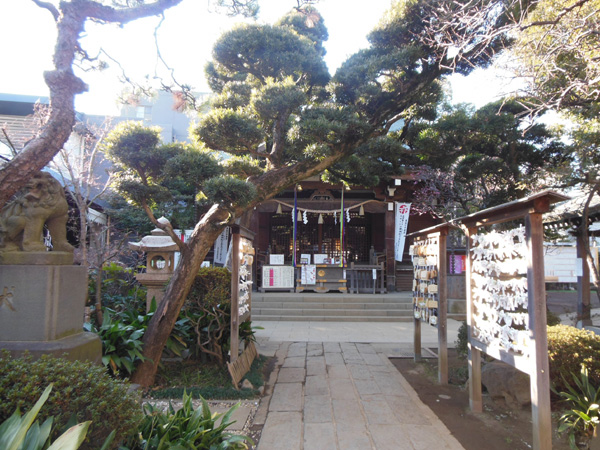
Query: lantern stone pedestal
[42, 301]
[160, 262]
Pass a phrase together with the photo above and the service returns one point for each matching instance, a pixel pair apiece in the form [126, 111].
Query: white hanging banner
[221, 247]
[402, 212]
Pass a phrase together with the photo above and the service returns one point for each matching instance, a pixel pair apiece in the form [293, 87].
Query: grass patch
[256, 374]
[209, 380]
[190, 373]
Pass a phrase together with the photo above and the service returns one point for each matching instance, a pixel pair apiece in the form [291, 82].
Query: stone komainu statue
[41, 202]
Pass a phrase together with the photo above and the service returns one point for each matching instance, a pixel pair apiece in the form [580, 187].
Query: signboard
[276, 259]
[309, 274]
[184, 236]
[278, 277]
[402, 212]
[458, 264]
[320, 258]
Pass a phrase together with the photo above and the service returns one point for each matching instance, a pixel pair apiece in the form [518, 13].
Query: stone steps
[393, 307]
[286, 318]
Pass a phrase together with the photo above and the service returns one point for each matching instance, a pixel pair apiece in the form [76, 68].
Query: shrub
[552, 319]
[122, 332]
[187, 428]
[120, 290]
[568, 349]
[462, 339]
[81, 391]
[208, 307]
[212, 287]
[23, 433]
[581, 418]
[121, 342]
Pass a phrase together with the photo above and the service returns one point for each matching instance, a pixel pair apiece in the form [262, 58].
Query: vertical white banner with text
[402, 212]
[221, 247]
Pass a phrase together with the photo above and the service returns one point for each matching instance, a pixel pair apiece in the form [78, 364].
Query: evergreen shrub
[568, 349]
[82, 391]
[208, 306]
[211, 287]
[208, 309]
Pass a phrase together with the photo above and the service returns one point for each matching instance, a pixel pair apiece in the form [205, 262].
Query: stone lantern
[160, 262]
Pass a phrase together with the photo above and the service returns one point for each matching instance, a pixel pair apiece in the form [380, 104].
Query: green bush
[121, 341]
[208, 309]
[462, 339]
[581, 417]
[122, 332]
[82, 392]
[208, 306]
[212, 287]
[568, 349]
[120, 289]
[187, 428]
[23, 433]
[552, 319]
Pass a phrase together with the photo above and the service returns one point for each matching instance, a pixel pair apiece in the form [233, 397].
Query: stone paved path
[336, 395]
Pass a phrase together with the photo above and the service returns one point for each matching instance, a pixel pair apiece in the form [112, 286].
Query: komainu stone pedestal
[41, 311]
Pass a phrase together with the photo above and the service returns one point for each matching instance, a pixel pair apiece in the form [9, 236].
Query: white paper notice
[276, 260]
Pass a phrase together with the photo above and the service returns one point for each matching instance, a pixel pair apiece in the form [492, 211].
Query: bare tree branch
[49, 6]
[64, 86]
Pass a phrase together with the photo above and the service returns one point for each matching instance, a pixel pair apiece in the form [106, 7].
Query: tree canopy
[557, 49]
[468, 159]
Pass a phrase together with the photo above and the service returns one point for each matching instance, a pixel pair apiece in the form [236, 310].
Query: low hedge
[82, 391]
[568, 349]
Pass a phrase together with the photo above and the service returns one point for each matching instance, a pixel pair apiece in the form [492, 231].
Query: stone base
[81, 347]
[36, 258]
[41, 303]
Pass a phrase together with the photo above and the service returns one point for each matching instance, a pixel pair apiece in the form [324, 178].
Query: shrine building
[347, 235]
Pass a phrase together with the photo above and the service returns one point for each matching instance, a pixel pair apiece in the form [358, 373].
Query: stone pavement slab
[287, 397]
[239, 416]
[292, 375]
[282, 430]
[315, 365]
[319, 436]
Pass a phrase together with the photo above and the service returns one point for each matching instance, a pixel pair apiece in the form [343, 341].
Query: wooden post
[417, 339]
[539, 367]
[235, 293]
[475, 395]
[583, 285]
[390, 259]
[442, 309]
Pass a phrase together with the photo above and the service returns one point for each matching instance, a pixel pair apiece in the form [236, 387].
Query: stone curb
[263, 408]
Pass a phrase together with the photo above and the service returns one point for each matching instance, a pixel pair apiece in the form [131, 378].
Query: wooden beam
[537, 203]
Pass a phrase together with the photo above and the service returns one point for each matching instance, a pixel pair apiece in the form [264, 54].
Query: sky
[185, 37]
